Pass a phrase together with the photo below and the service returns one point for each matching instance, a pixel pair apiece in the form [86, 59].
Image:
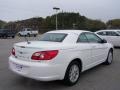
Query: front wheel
[34, 35]
[109, 58]
[72, 74]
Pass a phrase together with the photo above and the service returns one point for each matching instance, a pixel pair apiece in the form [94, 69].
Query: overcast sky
[11, 10]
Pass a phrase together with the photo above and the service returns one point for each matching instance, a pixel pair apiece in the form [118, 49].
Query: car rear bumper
[36, 70]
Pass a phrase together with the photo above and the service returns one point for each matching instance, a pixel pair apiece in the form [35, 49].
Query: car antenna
[26, 39]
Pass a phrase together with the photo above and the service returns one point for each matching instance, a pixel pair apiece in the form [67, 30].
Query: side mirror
[103, 41]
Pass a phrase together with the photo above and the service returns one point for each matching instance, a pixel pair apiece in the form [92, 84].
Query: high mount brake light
[13, 51]
[44, 55]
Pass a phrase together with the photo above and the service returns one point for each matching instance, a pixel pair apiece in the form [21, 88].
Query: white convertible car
[60, 55]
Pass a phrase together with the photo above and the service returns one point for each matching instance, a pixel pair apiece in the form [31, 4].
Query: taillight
[44, 55]
[13, 51]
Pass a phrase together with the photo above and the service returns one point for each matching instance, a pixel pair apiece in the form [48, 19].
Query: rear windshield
[7, 31]
[3, 30]
[53, 37]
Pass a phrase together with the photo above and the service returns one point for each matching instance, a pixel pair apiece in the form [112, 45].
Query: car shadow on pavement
[31, 84]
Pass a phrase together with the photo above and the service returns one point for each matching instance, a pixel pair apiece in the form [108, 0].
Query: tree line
[66, 20]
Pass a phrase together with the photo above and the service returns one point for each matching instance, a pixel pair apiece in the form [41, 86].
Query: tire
[5, 36]
[34, 35]
[28, 35]
[72, 74]
[19, 35]
[13, 36]
[109, 59]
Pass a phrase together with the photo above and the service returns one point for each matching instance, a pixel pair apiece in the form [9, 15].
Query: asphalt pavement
[101, 77]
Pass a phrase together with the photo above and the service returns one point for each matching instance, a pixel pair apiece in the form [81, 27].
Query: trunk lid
[24, 51]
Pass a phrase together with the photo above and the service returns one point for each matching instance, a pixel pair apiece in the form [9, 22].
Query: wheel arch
[80, 62]
[75, 59]
[106, 61]
[111, 49]
[66, 79]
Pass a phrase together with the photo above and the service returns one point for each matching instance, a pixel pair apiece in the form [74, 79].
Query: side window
[108, 33]
[102, 33]
[92, 37]
[28, 29]
[82, 38]
[111, 33]
[114, 34]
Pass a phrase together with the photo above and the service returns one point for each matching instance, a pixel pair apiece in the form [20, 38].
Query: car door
[117, 38]
[84, 50]
[110, 37]
[99, 50]
[114, 38]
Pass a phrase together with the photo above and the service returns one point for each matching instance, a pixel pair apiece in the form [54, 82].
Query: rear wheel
[109, 58]
[28, 35]
[72, 74]
[13, 36]
[19, 35]
[5, 36]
